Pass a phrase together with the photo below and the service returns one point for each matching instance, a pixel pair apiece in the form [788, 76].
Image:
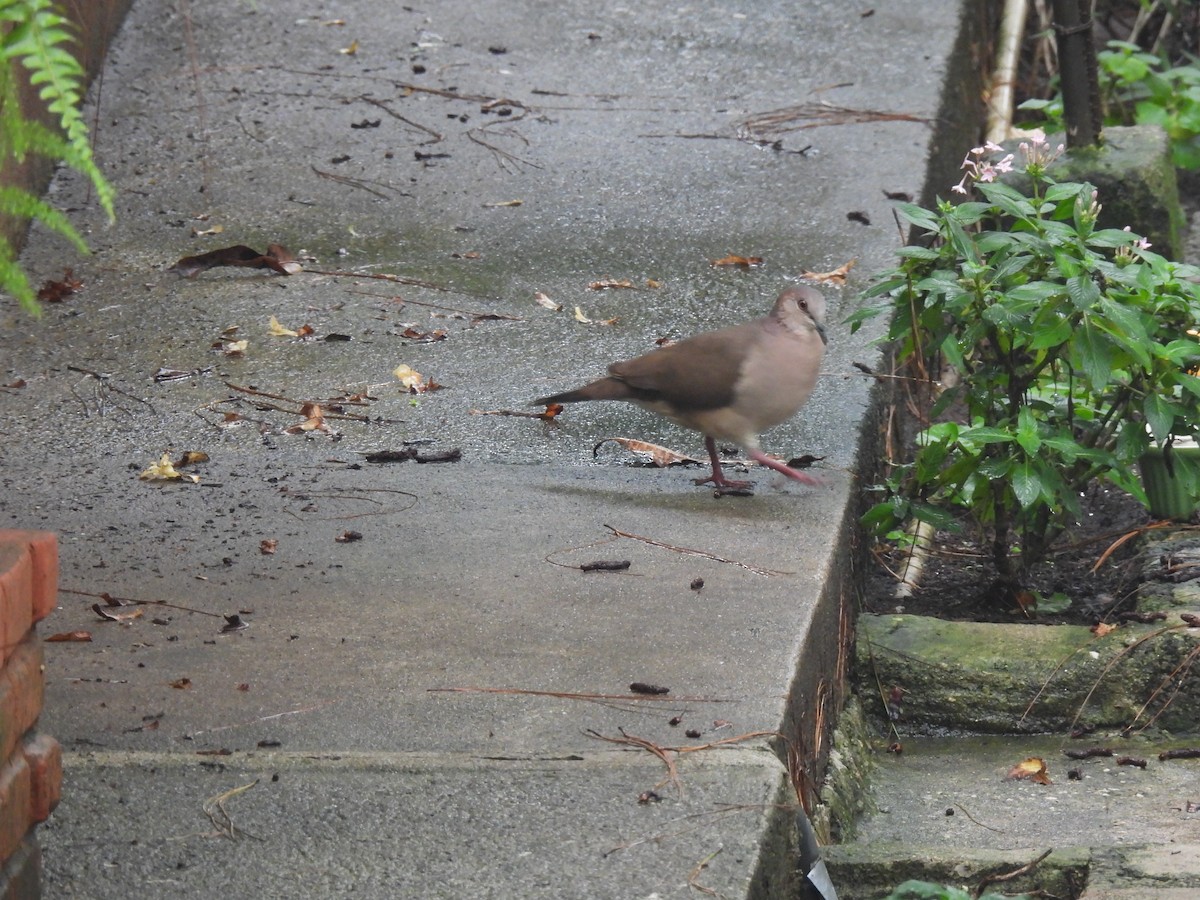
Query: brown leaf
[277, 259]
[1100, 629]
[610, 284]
[268, 546]
[58, 291]
[1032, 769]
[542, 300]
[349, 537]
[837, 276]
[424, 337]
[743, 262]
[75, 637]
[659, 456]
[181, 684]
[581, 316]
[314, 422]
[470, 254]
[125, 614]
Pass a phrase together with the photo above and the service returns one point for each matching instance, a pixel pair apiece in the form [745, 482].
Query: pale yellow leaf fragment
[164, 470]
[277, 330]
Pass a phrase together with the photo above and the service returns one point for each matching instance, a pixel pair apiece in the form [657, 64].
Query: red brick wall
[30, 762]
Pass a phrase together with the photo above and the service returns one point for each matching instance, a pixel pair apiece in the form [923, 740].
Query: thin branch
[701, 553]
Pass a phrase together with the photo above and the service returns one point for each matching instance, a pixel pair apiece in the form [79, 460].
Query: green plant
[1140, 88]
[34, 34]
[1058, 353]
[924, 890]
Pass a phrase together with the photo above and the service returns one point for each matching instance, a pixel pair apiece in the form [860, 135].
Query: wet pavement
[427, 710]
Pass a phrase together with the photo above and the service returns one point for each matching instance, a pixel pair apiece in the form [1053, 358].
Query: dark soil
[958, 581]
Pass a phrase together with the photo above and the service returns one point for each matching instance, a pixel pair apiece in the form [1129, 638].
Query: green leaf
[1083, 292]
[985, 434]
[1090, 352]
[1058, 602]
[1026, 484]
[1027, 431]
[1160, 416]
[918, 215]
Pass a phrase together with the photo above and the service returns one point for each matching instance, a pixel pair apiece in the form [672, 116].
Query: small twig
[328, 414]
[649, 745]
[963, 810]
[395, 115]
[130, 601]
[572, 695]
[105, 380]
[701, 553]
[360, 183]
[260, 719]
[1009, 876]
[697, 869]
[451, 309]
[224, 823]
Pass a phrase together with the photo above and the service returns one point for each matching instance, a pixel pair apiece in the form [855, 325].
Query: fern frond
[35, 40]
[19, 202]
[14, 282]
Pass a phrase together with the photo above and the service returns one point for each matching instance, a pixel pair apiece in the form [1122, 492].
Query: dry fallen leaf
[232, 348]
[351, 50]
[503, 203]
[277, 259]
[413, 381]
[314, 421]
[743, 262]
[581, 316]
[277, 330]
[117, 613]
[58, 291]
[837, 276]
[660, 456]
[1031, 769]
[181, 684]
[191, 458]
[609, 284]
[216, 229]
[1100, 629]
[423, 337]
[164, 470]
[75, 637]
[542, 300]
[267, 546]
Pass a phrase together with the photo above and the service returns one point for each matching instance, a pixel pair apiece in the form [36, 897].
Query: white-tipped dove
[729, 384]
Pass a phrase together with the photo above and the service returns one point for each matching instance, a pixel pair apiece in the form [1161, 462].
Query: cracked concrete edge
[1138, 872]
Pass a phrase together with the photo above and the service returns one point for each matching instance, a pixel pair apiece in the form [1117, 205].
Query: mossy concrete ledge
[1021, 679]
[868, 873]
[1135, 180]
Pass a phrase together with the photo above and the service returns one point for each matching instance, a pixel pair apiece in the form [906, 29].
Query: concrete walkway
[425, 712]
